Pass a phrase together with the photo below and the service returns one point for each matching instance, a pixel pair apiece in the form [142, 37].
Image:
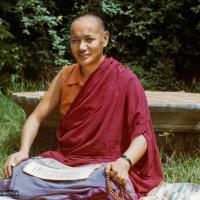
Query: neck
[86, 71]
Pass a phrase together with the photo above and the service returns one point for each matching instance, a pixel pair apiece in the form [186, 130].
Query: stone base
[176, 115]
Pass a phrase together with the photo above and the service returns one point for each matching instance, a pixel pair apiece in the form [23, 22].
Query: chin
[82, 62]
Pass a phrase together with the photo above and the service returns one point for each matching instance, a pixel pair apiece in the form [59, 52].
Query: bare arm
[120, 167]
[32, 124]
[136, 149]
[46, 105]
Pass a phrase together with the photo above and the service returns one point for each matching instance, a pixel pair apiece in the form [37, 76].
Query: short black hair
[97, 17]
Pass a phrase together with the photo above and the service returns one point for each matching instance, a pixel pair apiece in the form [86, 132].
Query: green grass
[17, 82]
[177, 167]
[11, 120]
[181, 168]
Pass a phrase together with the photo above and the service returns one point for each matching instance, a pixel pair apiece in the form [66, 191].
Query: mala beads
[122, 188]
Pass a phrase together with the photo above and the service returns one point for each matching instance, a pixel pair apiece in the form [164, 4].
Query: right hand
[13, 160]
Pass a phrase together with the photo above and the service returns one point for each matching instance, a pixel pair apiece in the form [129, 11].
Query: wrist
[24, 150]
[127, 159]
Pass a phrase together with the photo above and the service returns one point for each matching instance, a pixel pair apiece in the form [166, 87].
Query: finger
[10, 166]
[118, 180]
[108, 167]
[11, 163]
[17, 161]
[121, 180]
[126, 178]
[8, 169]
[123, 176]
[114, 167]
[113, 174]
[113, 170]
[5, 170]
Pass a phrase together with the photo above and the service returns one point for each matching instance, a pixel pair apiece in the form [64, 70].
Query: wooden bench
[175, 116]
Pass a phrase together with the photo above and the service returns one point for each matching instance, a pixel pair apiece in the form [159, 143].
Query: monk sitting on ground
[104, 119]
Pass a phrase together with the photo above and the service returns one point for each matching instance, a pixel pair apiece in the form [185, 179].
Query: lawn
[177, 167]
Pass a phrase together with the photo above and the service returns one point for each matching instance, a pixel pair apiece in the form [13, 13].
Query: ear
[106, 36]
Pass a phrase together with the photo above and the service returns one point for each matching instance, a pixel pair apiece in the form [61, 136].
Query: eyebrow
[85, 36]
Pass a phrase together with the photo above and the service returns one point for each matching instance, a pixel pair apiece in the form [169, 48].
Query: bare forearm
[120, 167]
[137, 149]
[29, 134]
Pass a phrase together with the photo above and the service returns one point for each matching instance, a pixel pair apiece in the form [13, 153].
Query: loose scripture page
[51, 169]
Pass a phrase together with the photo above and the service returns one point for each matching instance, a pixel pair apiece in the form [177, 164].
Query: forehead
[85, 26]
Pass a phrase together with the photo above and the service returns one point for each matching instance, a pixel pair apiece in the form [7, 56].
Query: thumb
[17, 161]
[108, 167]
[13, 164]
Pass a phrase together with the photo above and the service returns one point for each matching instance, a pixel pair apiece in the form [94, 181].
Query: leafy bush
[159, 40]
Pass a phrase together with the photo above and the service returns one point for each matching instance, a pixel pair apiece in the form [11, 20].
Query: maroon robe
[108, 113]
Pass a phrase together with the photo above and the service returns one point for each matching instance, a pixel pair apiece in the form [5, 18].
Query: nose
[82, 46]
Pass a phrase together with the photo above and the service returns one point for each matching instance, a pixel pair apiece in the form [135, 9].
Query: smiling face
[88, 40]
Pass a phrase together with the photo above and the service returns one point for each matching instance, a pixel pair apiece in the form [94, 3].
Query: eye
[90, 39]
[75, 40]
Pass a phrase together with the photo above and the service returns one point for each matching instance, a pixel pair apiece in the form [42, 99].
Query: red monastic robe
[108, 113]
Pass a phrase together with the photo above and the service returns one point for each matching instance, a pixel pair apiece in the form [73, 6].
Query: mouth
[83, 55]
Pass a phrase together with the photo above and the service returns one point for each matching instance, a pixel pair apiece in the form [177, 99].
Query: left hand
[118, 170]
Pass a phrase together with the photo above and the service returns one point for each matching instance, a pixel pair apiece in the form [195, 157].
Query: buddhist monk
[104, 119]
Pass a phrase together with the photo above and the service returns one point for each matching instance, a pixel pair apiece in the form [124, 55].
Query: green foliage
[40, 19]
[17, 83]
[4, 33]
[150, 38]
[12, 118]
[10, 54]
[159, 40]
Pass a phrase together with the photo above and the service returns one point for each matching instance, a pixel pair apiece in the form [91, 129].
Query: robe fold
[108, 113]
